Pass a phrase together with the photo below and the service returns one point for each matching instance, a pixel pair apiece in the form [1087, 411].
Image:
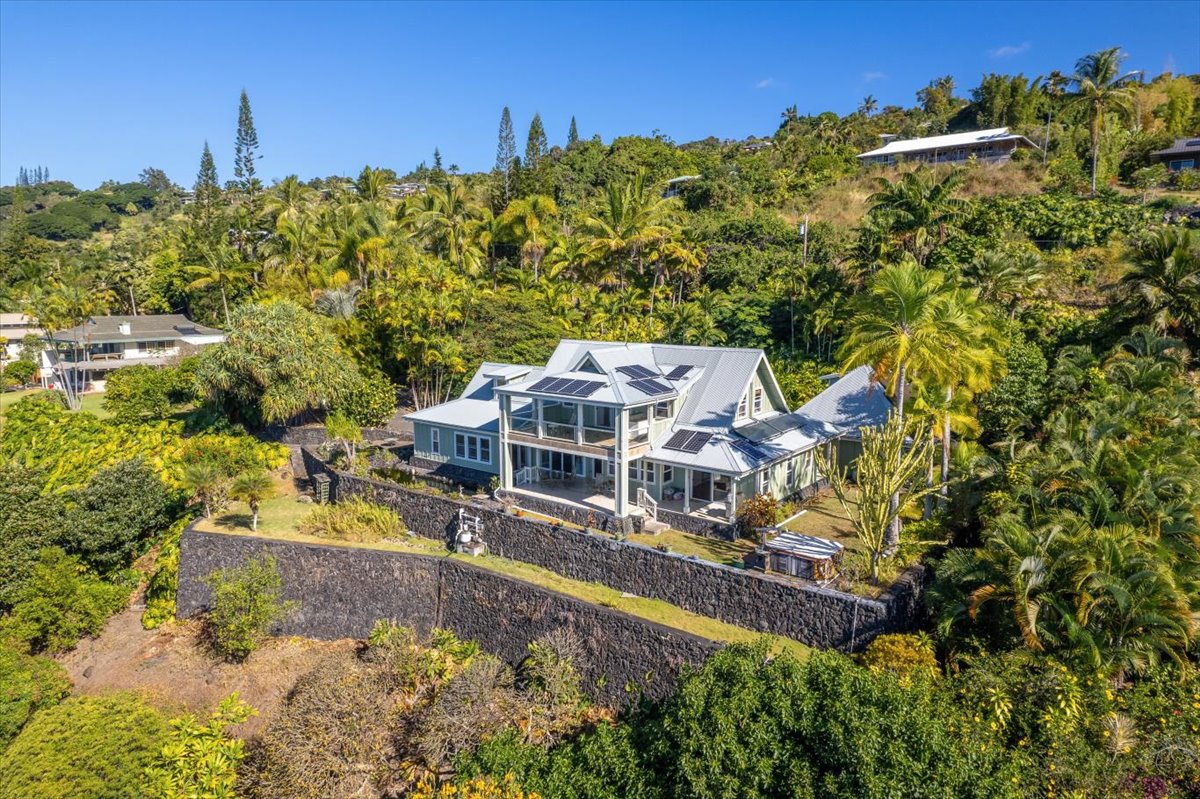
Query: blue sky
[101, 90]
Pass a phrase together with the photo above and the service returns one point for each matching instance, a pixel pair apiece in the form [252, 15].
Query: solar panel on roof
[688, 441]
[650, 388]
[637, 371]
[749, 448]
[541, 384]
[585, 388]
[679, 372]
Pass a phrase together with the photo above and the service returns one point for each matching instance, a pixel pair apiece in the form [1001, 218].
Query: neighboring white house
[629, 429]
[14, 327]
[85, 354]
[987, 146]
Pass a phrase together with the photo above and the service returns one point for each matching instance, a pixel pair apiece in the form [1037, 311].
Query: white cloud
[1009, 50]
[874, 76]
[764, 83]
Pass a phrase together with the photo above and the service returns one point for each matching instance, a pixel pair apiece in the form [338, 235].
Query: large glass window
[758, 396]
[435, 441]
[473, 448]
[641, 471]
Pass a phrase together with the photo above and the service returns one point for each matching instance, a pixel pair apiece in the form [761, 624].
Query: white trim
[435, 441]
[464, 443]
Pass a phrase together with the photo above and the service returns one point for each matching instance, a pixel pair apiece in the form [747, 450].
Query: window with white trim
[764, 481]
[668, 473]
[791, 473]
[662, 410]
[641, 471]
[741, 412]
[758, 394]
[473, 448]
[435, 441]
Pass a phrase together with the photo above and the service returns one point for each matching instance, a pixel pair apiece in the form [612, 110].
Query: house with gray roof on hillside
[660, 431]
[85, 354]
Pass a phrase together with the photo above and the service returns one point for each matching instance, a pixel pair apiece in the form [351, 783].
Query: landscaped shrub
[247, 600]
[353, 520]
[116, 514]
[761, 510]
[900, 654]
[18, 373]
[370, 402]
[27, 683]
[30, 519]
[87, 747]
[137, 393]
[59, 603]
[477, 788]
[200, 760]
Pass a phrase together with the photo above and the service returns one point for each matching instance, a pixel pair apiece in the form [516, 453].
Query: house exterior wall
[423, 448]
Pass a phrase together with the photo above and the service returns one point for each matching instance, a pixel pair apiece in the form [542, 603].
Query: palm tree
[1052, 87]
[252, 488]
[899, 330]
[527, 220]
[1100, 88]
[445, 218]
[1005, 279]
[223, 269]
[1163, 283]
[205, 483]
[919, 209]
[868, 106]
[632, 216]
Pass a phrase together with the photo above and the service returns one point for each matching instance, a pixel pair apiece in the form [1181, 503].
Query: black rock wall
[343, 591]
[806, 612]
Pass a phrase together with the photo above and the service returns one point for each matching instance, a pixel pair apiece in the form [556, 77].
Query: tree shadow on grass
[234, 521]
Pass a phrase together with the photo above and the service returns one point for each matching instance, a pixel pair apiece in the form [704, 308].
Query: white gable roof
[946, 142]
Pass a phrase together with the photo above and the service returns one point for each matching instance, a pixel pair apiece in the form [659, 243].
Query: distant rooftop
[945, 142]
[153, 327]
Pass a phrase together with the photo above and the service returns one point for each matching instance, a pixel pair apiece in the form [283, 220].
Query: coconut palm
[1005, 279]
[1101, 89]
[252, 488]
[445, 218]
[631, 217]
[919, 210]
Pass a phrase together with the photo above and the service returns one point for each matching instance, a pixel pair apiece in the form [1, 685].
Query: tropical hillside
[1035, 322]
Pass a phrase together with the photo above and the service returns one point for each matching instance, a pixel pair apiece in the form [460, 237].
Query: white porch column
[506, 470]
[687, 490]
[579, 423]
[541, 425]
[621, 466]
[733, 486]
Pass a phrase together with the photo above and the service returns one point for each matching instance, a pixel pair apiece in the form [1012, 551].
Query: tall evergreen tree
[246, 152]
[535, 146]
[572, 132]
[437, 161]
[506, 153]
[207, 200]
[23, 176]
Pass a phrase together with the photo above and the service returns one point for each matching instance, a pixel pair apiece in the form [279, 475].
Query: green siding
[423, 448]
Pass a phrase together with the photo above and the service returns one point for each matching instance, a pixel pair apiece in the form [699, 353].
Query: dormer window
[662, 410]
[758, 395]
[741, 412]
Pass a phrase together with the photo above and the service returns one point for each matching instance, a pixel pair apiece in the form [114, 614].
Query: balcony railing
[564, 432]
[599, 436]
[523, 424]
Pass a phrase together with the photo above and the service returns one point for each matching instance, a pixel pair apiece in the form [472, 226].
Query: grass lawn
[93, 403]
[826, 519]
[279, 518]
[713, 550]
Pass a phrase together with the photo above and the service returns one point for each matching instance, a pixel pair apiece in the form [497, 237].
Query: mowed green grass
[92, 403]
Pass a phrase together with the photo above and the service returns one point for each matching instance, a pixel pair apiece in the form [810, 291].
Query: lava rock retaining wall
[808, 613]
[343, 591]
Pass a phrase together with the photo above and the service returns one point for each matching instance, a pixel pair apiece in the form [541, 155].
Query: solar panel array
[688, 441]
[650, 388]
[637, 371]
[566, 386]
[749, 448]
[679, 372]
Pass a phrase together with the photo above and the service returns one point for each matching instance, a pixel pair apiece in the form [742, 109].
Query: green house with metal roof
[663, 431]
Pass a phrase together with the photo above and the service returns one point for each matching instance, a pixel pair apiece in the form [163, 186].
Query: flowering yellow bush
[479, 788]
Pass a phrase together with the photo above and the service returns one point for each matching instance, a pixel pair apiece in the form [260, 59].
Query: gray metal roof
[805, 546]
[855, 400]
[476, 408]
[152, 327]
[1188, 146]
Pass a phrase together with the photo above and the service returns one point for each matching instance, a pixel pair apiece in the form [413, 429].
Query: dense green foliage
[353, 520]
[85, 748]
[247, 601]
[200, 760]
[28, 683]
[30, 519]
